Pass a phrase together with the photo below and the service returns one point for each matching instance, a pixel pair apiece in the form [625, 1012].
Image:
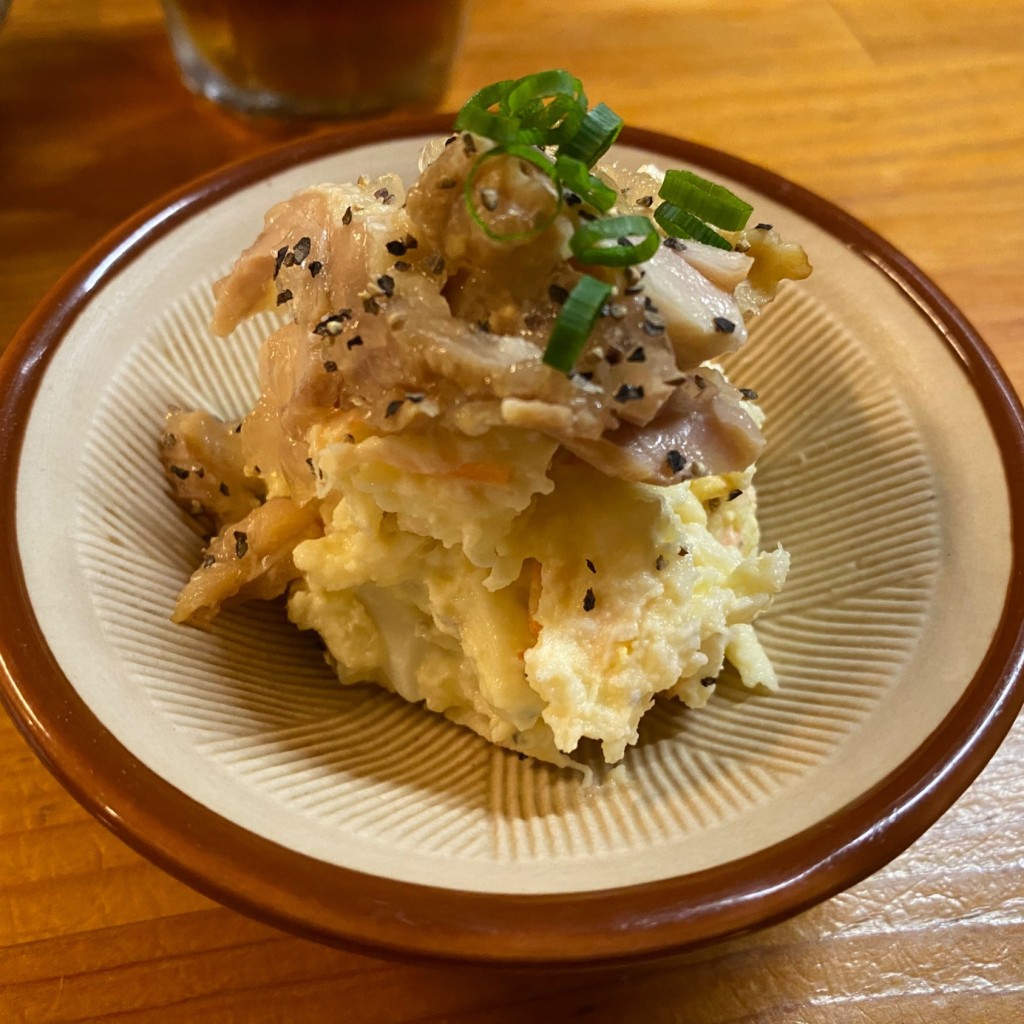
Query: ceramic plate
[232, 758]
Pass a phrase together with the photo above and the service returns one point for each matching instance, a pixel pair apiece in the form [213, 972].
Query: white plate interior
[882, 478]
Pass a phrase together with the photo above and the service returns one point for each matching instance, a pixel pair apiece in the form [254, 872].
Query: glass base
[413, 88]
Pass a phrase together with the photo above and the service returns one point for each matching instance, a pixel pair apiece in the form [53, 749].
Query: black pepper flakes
[285, 296]
[225, 490]
[241, 543]
[683, 552]
[393, 406]
[414, 396]
[371, 305]
[675, 461]
[634, 279]
[748, 393]
[381, 193]
[330, 366]
[653, 327]
[586, 215]
[724, 325]
[208, 561]
[708, 681]
[312, 468]
[396, 248]
[700, 381]
[557, 293]
[346, 217]
[629, 393]
[332, 324]
[354, 342]
[660, 563]
[181, 474]
[734, 494]
[674, 244]
[762, 227]
[411, 242]
[571, 199]
[279, 259]
[638, 355]
[301, 249]
[468, 144]
[645, 201]
[201, 472]
[613, 357]
[590, 566]
[402, 266]
[386, 283]
[315, 267]
[589, 601]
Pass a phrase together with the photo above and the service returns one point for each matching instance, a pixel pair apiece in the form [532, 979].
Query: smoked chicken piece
[248, 560]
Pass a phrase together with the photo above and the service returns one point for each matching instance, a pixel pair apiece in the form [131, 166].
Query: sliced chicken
[250, 559]
[704, 428]
[205, 464]
[702, 319]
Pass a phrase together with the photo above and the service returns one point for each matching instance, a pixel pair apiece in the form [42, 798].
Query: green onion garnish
[549, 106]
[476, 116]
[599, 129]
[543, 119]
[706, 200]
[587, 248]
[530, 155]
[575, 322]
[573, 174]
[681, 224]
[531, 89]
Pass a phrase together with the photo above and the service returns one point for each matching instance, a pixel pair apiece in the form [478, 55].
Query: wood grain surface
[909, 114]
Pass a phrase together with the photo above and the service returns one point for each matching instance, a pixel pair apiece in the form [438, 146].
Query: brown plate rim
[377, 915]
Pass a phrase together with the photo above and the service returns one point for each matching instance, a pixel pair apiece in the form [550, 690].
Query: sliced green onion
[540, 86]
[550, 124]
[575, 322]
[712, 203]
[549, 106]
[476, 116]
[598, 130]
[586, 242]
[574, 175]
[530, 155]
[681, 224]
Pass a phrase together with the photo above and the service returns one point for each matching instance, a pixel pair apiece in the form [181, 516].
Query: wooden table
[909, 114]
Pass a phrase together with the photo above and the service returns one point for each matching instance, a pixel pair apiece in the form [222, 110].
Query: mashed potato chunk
[538, 602]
